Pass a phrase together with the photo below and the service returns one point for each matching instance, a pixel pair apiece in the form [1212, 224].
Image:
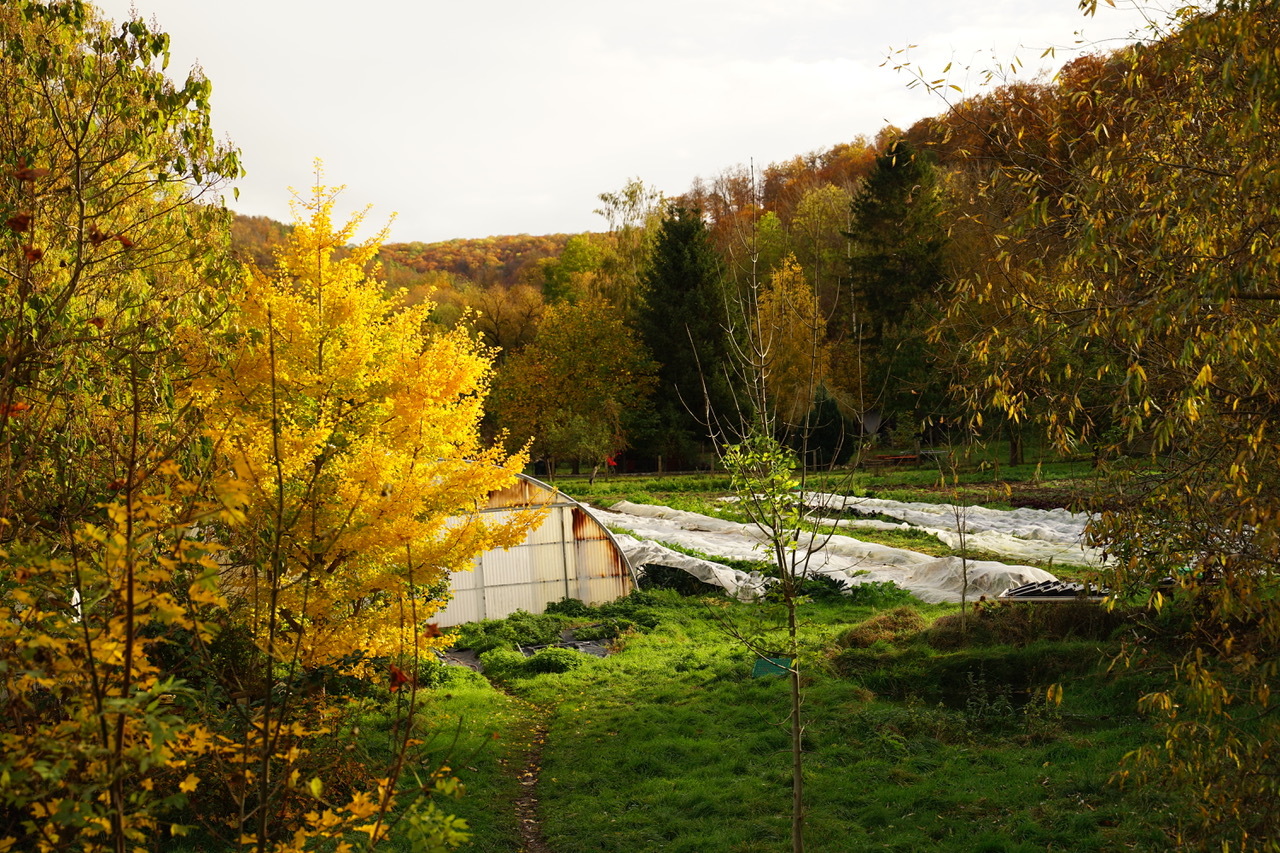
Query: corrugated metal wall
[570, 555]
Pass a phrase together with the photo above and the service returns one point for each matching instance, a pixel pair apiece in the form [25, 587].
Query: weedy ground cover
[915, 740]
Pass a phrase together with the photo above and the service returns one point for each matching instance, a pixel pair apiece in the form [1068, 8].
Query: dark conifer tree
[682, 323]
[895, 272]
[897, 238]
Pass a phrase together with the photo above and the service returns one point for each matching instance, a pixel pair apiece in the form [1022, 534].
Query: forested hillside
[486, 261]
[234, 453]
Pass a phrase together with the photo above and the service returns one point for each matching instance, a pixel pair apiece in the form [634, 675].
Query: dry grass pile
[890, 626]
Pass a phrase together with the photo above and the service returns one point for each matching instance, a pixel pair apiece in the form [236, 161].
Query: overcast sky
[502, 117]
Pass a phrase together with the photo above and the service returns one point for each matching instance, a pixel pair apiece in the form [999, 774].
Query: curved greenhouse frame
[569, 555]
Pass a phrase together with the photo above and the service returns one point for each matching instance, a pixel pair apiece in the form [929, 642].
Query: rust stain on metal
[521, 493]
[598, 556]
[601, 562]
[609, 564]
[586, 528]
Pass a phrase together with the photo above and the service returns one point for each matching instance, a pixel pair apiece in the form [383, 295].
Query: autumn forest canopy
[239, 459]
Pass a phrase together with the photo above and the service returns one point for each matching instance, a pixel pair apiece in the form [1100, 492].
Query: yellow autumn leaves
[354, 429]
[332, 488]
[794, 357]
[224, 494]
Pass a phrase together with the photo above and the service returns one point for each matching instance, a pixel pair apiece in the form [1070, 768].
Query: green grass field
[918, 735]
[980, 476]
[913, 740]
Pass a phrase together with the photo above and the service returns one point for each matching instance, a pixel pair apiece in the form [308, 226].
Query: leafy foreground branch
[1131, 246]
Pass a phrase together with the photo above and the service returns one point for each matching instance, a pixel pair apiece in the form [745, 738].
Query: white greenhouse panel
[506, 567]
[551, 530]
[531, 597]
[600, 590]
[466, 606]
[593, 558]
[470, 579]
[548, 561]
[568, 554]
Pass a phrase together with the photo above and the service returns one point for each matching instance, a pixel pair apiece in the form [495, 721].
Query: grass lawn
[917, 737]
[670, 744]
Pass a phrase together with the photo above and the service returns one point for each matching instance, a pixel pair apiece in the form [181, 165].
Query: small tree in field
[764, 477]
[779, 357]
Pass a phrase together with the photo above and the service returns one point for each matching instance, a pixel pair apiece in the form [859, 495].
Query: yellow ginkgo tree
[354, 428]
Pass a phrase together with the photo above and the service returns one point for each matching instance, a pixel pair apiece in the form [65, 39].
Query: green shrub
[987, 705]
[519, 629]
[825, 588]
[432, 672]
[555, 660]
[879, 594]
[486, 635]
[639, 608]
[536, 630]
[462, 676]
[604, 631]
[503, 664]
[572, 607]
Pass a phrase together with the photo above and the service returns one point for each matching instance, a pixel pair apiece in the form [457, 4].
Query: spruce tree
[682, 324]
[897, 239]
[895, 271]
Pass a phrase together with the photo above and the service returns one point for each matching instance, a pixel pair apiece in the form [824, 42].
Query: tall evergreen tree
[897, 239]
[895, 269]
[682, 324]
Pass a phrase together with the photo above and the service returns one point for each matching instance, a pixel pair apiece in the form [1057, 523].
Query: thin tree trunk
[1016, 455]
[797, 756]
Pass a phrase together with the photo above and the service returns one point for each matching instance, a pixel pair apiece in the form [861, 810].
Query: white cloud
[508, 117]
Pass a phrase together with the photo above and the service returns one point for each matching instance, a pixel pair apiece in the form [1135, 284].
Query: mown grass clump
[917, 670]
[889, 626]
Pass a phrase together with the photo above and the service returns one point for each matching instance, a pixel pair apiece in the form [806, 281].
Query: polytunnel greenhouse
[569, 555]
